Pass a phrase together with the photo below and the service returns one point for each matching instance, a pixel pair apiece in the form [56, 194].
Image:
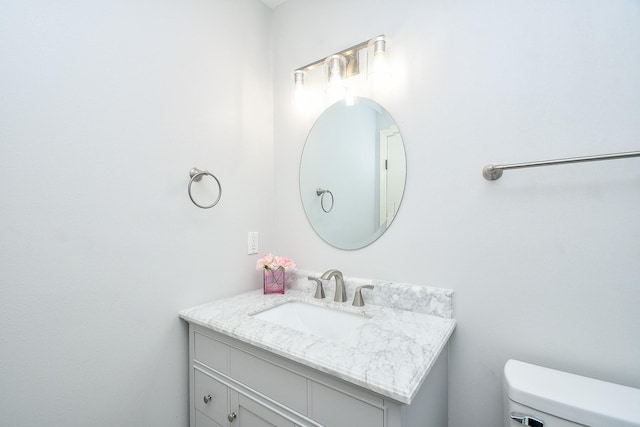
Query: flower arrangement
[273, 268]
[272, 262]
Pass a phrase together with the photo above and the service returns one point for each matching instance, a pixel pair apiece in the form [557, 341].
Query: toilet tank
[543, 397]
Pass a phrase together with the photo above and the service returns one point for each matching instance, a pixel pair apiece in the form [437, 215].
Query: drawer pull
[232, 416]
[207, 398]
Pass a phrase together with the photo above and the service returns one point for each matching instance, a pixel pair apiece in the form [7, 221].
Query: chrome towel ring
[321, 192]
[196, 175]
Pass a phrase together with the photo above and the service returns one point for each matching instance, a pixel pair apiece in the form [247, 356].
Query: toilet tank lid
[579, 399]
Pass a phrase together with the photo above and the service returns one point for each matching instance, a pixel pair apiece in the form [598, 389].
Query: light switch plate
[252, 242]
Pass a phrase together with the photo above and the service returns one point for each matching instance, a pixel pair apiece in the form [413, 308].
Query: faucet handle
[319, 289]
[357, 298]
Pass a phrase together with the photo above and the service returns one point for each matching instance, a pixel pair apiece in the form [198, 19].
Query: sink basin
[312, 319]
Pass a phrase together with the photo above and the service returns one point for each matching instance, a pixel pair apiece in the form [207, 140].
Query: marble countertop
[392, 355]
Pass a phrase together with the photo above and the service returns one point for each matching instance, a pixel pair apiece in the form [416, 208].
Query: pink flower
[284, 263]
[270, 262]
[264, 262]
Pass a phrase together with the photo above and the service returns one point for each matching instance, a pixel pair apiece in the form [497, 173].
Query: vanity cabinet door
[210, 399]
[204, 421]
[331, 407]
[252, 414]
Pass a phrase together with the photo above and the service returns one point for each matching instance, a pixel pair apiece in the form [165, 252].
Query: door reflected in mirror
[352, 173]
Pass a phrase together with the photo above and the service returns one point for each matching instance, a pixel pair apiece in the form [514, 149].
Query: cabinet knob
[232, 416]
[207, 398]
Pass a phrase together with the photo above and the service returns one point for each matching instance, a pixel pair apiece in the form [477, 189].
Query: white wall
[104, 108]
[545, 262]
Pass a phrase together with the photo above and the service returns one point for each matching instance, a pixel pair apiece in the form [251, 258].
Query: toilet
[543, 397]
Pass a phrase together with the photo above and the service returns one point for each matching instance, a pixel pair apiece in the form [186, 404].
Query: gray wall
[105, 107]
[545, 262]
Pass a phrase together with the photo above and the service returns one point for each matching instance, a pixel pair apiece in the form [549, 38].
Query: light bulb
[336, 69]
[379, 66]
[300, 97]
[336, 90]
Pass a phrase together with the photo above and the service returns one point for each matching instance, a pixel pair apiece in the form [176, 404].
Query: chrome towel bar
[493, 172]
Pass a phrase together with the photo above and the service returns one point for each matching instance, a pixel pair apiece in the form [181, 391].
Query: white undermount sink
[316, 320]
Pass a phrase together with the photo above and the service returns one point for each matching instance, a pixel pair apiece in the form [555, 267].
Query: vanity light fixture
[299, 93]
[336, 72]
[298, 78]
[379, 45]
[379, 66]
[336, 68]
[379, 54]
[342, 65]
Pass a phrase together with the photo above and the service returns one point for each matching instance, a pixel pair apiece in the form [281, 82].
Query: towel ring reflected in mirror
[196, 175]
[321, 192]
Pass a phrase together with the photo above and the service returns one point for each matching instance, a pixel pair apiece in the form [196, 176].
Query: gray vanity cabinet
[235, 384]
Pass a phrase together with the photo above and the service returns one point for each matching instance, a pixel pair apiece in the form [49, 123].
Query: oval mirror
[352, 173]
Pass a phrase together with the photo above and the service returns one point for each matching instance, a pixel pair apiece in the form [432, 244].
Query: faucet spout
[341, 293]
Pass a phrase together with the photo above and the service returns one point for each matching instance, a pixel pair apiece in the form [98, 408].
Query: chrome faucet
[341, 294]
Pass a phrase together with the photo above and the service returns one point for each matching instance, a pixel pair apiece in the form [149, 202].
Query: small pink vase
[273, 281]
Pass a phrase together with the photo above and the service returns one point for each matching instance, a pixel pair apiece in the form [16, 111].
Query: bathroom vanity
[390, 371]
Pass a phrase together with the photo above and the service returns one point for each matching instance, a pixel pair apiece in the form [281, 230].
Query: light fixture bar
[350, 54]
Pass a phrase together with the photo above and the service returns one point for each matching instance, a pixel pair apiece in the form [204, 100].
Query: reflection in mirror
[352, 173]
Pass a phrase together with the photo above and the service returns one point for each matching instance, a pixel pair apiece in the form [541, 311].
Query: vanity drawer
[210, 397]
[210, 352]
[278, 383]
[331, 407]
